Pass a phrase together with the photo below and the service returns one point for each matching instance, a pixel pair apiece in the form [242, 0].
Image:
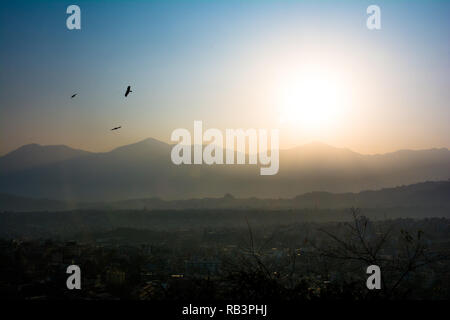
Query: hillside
[422, 195]
[144, 170]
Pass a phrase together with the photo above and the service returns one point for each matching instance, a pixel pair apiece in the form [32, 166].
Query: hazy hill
[426, 195]
[144, 170]
[35, 155]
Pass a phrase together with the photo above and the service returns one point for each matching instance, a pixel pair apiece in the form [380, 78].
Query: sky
[312, 69]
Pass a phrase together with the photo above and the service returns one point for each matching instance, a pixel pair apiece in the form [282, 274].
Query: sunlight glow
[312, 100]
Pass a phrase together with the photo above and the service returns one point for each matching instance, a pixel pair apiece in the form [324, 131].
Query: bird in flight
[128, 91]
[116, 128]
[73, 96]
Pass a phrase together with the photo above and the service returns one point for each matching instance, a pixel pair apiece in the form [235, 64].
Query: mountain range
[426, 197]
[145, 170]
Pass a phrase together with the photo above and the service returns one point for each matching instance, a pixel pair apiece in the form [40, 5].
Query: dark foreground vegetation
[278, 261]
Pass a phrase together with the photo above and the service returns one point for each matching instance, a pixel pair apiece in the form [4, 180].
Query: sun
[312, 101]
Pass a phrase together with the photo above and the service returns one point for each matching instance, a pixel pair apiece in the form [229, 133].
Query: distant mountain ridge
[144, 169]
[34, 155]
[421, 195]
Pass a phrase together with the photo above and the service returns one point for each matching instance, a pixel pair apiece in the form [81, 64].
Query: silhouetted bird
[116, 128]
[128, 91]
[73, 96]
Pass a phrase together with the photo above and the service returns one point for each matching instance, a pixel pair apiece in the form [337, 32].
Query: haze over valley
[144, 170]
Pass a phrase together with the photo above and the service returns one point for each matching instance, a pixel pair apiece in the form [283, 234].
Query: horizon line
[313, 142]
